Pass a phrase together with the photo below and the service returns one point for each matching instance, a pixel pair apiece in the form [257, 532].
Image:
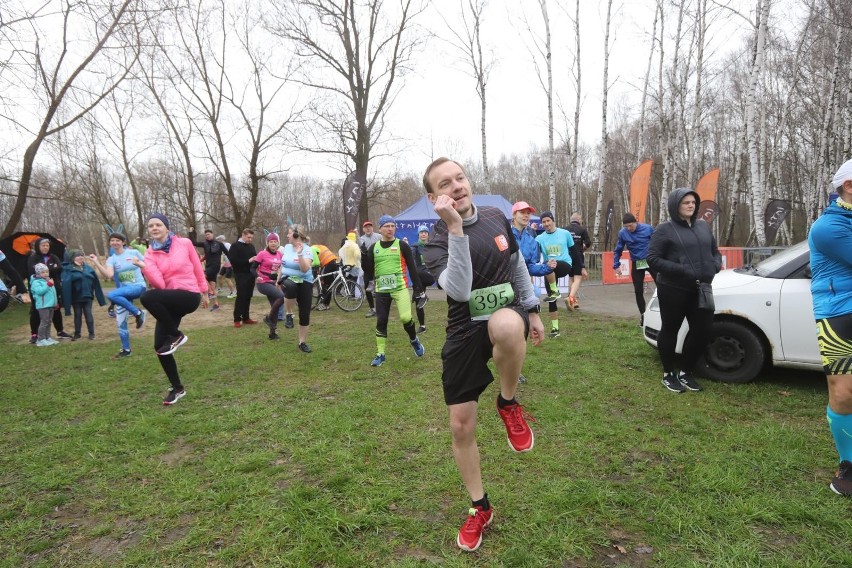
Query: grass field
[279, 458]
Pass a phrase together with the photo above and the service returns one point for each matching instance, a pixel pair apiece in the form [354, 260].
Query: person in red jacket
[174, 272]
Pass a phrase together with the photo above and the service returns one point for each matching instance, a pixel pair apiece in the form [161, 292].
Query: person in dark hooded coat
[683, 253]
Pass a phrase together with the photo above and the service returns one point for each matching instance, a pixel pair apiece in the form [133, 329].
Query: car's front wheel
[735, 353]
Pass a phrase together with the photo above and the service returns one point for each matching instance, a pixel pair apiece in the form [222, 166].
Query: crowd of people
[484, 263]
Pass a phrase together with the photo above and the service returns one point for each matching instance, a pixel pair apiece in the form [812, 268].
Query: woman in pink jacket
[174, 273]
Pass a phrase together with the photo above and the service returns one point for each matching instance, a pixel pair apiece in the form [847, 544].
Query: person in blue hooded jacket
[830, 242]
[635, 237]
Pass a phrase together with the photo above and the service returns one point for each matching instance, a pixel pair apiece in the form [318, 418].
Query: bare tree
[354, 52]
[467, 39]
[604, 135]
[70, 90]
[227, 105]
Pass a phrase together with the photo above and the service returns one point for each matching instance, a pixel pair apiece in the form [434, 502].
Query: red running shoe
[249, 322]
[238, 324]
[470, 533]
[518, 433]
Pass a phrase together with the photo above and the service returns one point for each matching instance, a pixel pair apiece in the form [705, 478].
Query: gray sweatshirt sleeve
[523, 284]
[457, 279]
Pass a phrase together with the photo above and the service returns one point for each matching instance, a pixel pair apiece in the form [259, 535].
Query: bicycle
[347, 294]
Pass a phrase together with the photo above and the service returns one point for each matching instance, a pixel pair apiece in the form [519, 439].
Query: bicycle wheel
[315, 294]
[348, 295]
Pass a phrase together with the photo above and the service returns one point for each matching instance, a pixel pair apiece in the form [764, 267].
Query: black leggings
[426, 279]
[168, 307]
[675, 305]
[562, 269]
[638, 277]
[302, 292]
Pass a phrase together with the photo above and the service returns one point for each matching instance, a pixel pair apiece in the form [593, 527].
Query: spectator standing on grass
[81, 285]
[212, 262]
[386, 263]
[45, 302]
[41, 255]
[366, 242]
[241, 254]
[578, 273]
[123, 267]
[635, 237]
[491, 308]
[830, 243]
[683, 253]
[426, 278]
[297, 282]
[178, 285]
[555, 244]
[17, 283]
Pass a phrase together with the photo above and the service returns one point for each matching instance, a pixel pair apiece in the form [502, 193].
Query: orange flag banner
[640, 183]
[707, 185]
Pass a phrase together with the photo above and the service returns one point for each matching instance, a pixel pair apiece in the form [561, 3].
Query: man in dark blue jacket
[635, 237]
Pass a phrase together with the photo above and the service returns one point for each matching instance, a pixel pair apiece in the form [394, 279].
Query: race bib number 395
[485, 301]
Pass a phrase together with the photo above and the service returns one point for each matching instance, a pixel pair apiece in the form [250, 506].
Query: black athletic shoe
[689, 381]
[140, 319]
[273, 336]
[269, 323]
[671, 383]
[122, 354]
[174, 396]
[842, 481]
[421, 329]
[288, 321]
[421, 301]
[305, 348]
[63, 335]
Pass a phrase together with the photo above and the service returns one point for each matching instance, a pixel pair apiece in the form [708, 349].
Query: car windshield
[780, 259]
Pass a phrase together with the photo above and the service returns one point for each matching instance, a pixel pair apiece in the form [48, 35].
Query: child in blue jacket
[45, 300]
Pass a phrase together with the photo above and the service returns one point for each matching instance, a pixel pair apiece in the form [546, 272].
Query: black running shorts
[465, 362]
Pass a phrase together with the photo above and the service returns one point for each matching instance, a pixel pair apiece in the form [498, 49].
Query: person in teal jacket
[555, 245]
[81, 285]
[45, 302]
[830, 242]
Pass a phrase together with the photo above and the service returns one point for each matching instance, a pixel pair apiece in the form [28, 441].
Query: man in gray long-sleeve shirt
[492, 308]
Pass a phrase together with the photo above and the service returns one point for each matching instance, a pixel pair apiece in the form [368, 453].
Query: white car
[764, 314]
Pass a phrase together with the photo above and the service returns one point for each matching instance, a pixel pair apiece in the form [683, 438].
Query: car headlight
[654, 306]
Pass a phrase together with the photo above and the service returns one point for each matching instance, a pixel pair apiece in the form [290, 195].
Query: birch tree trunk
[604, 137]
[758, 190]
[736, 189]
[551, 158]
[694, 138]
[640, 148]
[670, 120]
[573, 186]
